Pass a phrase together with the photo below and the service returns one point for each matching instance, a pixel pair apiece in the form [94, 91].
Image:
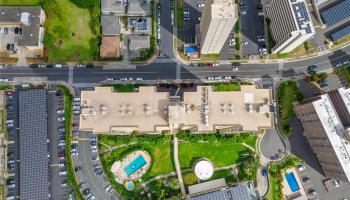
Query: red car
[60, 154]
[209, 65]
[8, 92]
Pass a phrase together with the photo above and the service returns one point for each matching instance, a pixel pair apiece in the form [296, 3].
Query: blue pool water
[135, 165]
[292, 182]
[190, 49]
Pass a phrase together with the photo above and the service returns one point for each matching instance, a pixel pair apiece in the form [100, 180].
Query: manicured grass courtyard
[220, 153]
[288, 93]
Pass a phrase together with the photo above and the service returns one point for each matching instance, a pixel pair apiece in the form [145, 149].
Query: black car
[9, 107]
[16, 30]
[86, 191]
[58, 94]
[312, 69]
[78, 168]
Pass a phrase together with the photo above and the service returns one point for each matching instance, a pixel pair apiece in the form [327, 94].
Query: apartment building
[290, 24]
[200, 111]
[326, 121]
[218, 20]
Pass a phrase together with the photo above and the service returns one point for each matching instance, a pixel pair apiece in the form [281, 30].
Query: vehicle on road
[264, 172]
[108, 188]
[311, 69]
[235, 69]
[62, 173]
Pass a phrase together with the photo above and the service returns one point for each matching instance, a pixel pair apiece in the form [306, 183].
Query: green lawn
[225, 87]
[123, 87]
[20, 2]
[220, 153]
[2, 127]
[6, 87]
[69, 34]
[273, 192]
[288, 93]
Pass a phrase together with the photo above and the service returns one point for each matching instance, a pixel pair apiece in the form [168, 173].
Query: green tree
[323, 76]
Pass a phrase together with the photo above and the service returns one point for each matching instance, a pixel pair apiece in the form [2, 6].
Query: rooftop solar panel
[33, 147]
[341, 33]
[233, 193]
[302, 16]
[336, 13]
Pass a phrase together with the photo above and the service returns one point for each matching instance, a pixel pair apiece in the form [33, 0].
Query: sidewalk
[258, 61]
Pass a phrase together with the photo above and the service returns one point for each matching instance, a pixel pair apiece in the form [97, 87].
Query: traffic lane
[52, 74]
[166, 29]
[55, 103]
[324, 61]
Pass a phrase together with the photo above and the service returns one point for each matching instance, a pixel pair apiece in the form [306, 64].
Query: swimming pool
[136, 164]
[190, 49]
[292, 182]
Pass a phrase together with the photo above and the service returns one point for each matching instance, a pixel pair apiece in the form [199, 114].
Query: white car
[217, 78]
[235, 69]
[93, 150]
[76, 107]
[227, 77]
[75, 141]
[60, 119]
[139, 79]
[244, 43]
[200, 5]
[123, 79]
[301, 168]
[74, 153]
[63, 173]
[61, 164]
[60, 111]
[210, 78]
[9, 121]
[108, 188]
[63, 184]
[216, 64]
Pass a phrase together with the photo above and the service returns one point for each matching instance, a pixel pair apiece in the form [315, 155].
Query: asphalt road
[161, 71]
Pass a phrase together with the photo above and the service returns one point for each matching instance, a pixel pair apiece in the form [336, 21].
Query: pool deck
[118, 167]
[287, 192]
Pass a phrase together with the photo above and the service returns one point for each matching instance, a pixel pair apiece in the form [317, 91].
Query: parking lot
[88, 169]
[12, 147]
[192, 12]
[8, 38]
[252, 28]
[57, 165]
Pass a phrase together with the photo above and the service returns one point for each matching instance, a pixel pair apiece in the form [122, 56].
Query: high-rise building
[326, 121]
[218, 19]
[290, 24]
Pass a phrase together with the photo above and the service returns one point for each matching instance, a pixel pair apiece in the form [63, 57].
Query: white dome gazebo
[204, 169]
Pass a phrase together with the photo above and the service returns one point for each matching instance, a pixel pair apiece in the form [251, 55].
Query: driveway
[271, 145]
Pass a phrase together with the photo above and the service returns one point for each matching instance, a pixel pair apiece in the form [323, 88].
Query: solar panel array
[302, 16]
[336, 13]
[239, 192]
[341, 33]
[33, 147]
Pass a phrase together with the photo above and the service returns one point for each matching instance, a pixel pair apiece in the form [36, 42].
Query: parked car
[78, 168]
[60, 154]
[62, 173]
[301, 168]
[60, 119]
[61, 164]
[108, 188]
[336, 183]
[60, 111]
[264, 172]
[305, 179]
[61, 129]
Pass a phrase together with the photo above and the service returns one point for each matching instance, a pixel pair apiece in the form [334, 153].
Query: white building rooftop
[334, 128]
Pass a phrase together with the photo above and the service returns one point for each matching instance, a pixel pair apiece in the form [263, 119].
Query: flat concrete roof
[106, 111]
[207, 186]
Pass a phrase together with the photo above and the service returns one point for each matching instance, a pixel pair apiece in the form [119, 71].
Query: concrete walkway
[116, 147]
[177, 166]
